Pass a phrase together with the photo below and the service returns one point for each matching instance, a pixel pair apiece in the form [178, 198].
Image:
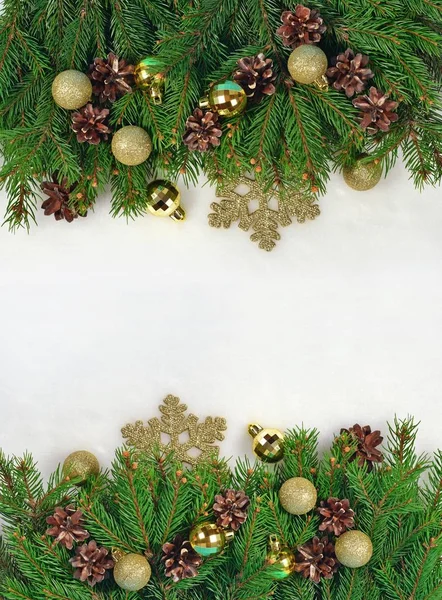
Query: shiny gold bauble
[268, 444]
[363, 176]
[307, 64]
[208, 539]
[71, 89]
[81, 464]
[163, 200]
[228, 99]
[131, 145]
[281, 558]
[353, 549]
[148, 77]
[298, 496]
[132, 572]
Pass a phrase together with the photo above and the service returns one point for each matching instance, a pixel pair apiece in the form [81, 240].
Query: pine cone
[67, 526]
[111, 77]
[180, 559]
[337, 516]
[304, 26]
[377, 110]
[91, 563]
[202, 130]
[317, 559]
[58, 203]
[89, 124]
[350, 72]
[255, 75]
[231, 509]
[367, 441]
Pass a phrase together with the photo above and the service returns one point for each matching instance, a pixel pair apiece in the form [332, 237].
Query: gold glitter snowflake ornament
[190, 441]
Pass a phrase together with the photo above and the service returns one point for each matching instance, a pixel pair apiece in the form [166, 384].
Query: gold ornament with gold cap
[208, 539]
[363, 175]
[149, 78]
[281, 558]
[132, 571]
[228, 99]
[71, 89]
[268, 443]
[164, 200]
[308, 65]
[82, 464]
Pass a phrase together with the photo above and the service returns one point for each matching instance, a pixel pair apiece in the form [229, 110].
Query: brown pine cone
[67, 526]
[255, 75]
[349, 72]
[366, 452]
[180, 559]
[317, 559]
[89, 124]
[202, 130]
[303, 26]
[58, 203]
[111, 77]
[231, 509]
[376, 110]
[337, 516]
[91, 563]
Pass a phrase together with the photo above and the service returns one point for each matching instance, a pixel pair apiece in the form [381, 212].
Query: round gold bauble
[148, 77]
[132, 572]
[131, 145]
[268, 444]
[363, 176]
[208, 539]
[281, 558]
[354, 549]
[164, 199]
[228, 99]
[81, 464]
[307, 64]
[298, 496]
[71, 89]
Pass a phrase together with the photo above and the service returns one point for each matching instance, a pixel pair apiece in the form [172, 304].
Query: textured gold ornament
[132, 572]
[268, 444]
[228, 99]
[81, 464]
[363, 175]
[71, 89]
[149, 78]
[264, 221]
[174, 423]
[131, 145]
[208, 539]
[354, 549]
[281, 558]
[164, 200]
[308, 64]
[298, 496]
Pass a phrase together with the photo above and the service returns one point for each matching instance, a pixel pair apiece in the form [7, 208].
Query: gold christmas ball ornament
[228, 99]
[268, 444]
[282, 559]
[164, 200]
[308, 64]
[354, 549]
[71, 89]
[208, 539]
[298, 496]
[132, 572]
[81, 464]
[148, 77]
[131, 145]
[363, 175]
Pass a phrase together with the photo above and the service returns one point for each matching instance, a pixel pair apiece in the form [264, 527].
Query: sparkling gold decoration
[208, 539]
[81, 464]
[363, 175]
[354, 549]
[71, 89]
[163, 200]
[281, 558]
[228, 99]
[131, 145]
[174, 423]
[264, 221]
[308, 64]
[132, 572]
[149, 78]
[268, 444]
[298, 496]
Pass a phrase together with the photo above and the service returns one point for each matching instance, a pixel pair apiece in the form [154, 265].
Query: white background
[101, 319]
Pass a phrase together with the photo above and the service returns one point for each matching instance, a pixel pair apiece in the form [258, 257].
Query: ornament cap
[254, 429]
[230, 534]
[274, 543]
[179, 214]
[117, 554]
[322, 83]
[204, 103]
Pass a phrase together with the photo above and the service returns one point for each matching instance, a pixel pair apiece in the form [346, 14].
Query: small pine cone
[303, 26]
[202, 130]
[111, 78]
[91, 563]
[349, 72]
[180, 559]
[89, 124]
[231, 509]
[376, 110]
[366, 452]
[67, 526]
[317, 559]
[58, 203]
[337, 516]
[256, 76]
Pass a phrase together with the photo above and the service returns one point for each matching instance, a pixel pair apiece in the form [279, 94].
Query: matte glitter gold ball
[81, 464]
[132, 572]
[131, 145]
[298, 496]
[363, 176]
[71, 89]
[268, 444]
[208, 539]
[227, 99]
[354, 549]
[307, 64]
[164, 199]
